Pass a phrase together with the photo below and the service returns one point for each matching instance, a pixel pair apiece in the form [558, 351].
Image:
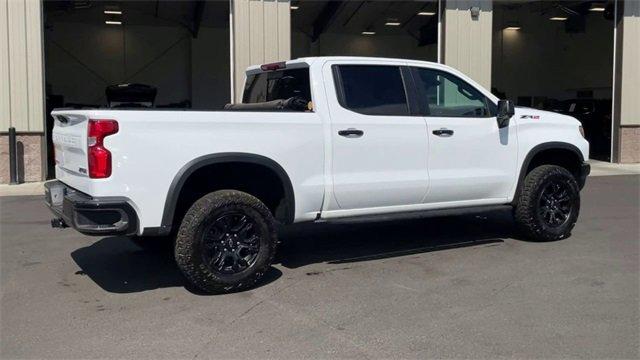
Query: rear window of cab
[276, 85]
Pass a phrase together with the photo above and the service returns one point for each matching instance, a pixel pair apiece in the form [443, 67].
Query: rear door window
[275, 85]
[372, 89]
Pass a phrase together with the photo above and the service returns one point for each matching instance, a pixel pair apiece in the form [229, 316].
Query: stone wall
[630, 144]
[29, 152]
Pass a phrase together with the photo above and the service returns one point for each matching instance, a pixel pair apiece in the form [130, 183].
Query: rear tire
[548, 205]
[226, 242]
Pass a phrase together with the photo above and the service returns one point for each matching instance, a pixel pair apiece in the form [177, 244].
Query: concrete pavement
[453, 287]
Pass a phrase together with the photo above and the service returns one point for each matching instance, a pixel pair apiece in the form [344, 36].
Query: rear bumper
[585, 170]
[89, 215]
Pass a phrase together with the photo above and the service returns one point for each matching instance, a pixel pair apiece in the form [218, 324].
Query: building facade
[42, 56]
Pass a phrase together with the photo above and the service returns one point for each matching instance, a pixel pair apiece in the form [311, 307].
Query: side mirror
[506, 110]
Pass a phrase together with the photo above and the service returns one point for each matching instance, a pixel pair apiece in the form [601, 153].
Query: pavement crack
[245, 312]
[248, 310]
[502, 288]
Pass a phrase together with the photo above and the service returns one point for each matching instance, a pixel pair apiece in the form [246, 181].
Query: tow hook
[59, 223]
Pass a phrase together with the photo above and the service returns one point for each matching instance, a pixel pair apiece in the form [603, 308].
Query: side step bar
[470, 210]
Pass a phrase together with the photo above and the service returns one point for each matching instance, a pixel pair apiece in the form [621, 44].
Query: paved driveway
[455, 287]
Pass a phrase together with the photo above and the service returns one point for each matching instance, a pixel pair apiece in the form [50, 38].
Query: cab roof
[309, 61]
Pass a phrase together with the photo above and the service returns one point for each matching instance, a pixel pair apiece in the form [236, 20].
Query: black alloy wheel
[548, 204]
[555, 204]
[231, 243]
[226, 242]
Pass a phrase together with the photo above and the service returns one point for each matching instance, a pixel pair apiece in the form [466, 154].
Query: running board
[417, 214]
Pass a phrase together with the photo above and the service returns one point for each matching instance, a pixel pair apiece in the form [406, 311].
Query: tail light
[99, 157]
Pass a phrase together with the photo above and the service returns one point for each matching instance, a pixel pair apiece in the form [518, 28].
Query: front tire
[549, 203]
[226, 242]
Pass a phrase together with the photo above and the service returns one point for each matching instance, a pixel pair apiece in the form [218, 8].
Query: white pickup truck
[315, 139]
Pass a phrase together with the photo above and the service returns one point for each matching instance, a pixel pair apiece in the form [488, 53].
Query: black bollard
[13, 157]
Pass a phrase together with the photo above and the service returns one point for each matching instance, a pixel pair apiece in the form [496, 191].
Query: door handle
[443, 132]
[351, 133]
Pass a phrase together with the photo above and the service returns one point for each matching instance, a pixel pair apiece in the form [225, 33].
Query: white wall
[82, 59]
[541, 59]
[21, 92]
[630, 86]
[337, 44]
[467, 40]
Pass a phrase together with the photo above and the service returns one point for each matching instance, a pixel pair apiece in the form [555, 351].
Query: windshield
[274, 85]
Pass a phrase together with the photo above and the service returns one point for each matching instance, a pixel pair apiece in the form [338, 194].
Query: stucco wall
[29, 166]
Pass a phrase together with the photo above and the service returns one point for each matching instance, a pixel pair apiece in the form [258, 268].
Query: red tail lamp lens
[98, 156]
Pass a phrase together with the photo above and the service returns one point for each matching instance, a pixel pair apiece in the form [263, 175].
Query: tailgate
[70, 143]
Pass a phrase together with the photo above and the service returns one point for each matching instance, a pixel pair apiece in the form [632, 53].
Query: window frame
[407, 84]
[424, 106]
